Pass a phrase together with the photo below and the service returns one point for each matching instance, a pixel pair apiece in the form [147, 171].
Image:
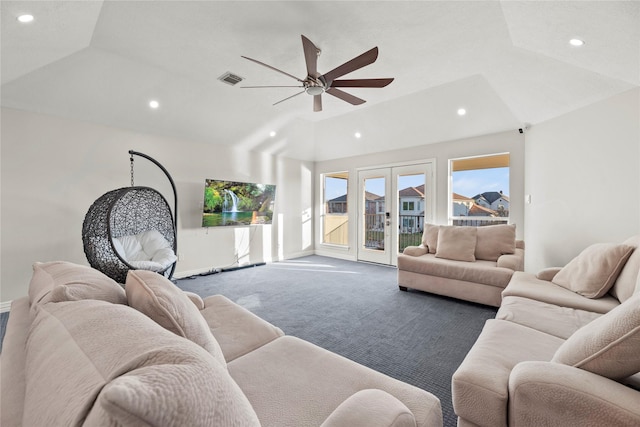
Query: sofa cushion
[313, 382]
[609, 346]
[96, 363]
[430, 237]
[457, 243]
[59, 281]
[236, 329]
[593, 272]
[625, 284]
[495, 240]
[161, 300]
[528, 286]
[552, 319]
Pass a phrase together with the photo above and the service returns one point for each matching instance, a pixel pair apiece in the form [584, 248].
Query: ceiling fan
[316, 84]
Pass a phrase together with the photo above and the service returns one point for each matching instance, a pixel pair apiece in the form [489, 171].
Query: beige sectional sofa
[470, 263]
[563, 350]
[80, 350]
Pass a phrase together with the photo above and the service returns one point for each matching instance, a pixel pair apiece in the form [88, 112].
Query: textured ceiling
[506, 62]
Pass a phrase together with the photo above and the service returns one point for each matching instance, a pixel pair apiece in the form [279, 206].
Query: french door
[393, 205]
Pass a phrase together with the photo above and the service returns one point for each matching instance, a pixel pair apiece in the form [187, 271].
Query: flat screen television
[237, 203]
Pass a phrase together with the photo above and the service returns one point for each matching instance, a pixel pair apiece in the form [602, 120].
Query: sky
[470, 183]
[465, 183]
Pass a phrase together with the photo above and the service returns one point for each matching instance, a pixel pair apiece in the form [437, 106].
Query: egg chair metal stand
[128, 211]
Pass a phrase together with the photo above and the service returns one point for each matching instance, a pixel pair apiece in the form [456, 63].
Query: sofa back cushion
[165, 303]
[625, 285]
[430, 237]
[593, 272]
[457, 243]
[59, 281]
[609, 345]
[495, 241]
[95, 363]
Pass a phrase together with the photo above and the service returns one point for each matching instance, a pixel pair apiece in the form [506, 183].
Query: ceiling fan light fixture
[25, 18]
[314, 90]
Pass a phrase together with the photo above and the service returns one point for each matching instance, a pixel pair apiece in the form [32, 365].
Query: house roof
[411, 192]
[507, 62]
[461, 198]
[371, 196]
[342, 198]
[477, 210]
[491, 196]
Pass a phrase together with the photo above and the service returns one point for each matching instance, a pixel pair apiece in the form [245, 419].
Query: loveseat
[563, 349]
[469, 263]
[81, 350]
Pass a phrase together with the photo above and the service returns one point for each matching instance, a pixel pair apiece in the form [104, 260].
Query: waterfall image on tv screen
[237, 203]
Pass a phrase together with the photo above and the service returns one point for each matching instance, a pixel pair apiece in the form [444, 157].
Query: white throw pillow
[593, 272]
[457, 243]
[165, 303]
[609, 345]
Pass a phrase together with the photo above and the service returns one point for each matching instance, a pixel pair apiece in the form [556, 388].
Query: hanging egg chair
[131, 228]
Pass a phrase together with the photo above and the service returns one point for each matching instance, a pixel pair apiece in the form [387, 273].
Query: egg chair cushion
[148, 250]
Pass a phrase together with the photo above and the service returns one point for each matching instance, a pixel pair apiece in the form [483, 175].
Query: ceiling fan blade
[289, 97]
[361, 83]
[310, 57]
[273, 68]
[354, 100]
[369, 57]
[317, 103]
[261, 87]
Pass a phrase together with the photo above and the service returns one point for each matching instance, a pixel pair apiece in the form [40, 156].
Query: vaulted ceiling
[506, 62]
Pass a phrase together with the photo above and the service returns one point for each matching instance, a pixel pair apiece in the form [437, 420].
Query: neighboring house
[494, 200]
[462, 205]
[479, 210]
[374, 210]
[337, 205]
[411, 209]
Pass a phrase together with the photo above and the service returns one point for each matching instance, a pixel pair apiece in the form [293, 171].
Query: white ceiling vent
[230, 78]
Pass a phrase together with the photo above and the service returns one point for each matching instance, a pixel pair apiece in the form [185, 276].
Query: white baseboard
[5, 306]
[189, 273]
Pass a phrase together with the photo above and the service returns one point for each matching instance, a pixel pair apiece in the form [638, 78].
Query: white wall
[583, 175]
[512, 142]
[53, 169]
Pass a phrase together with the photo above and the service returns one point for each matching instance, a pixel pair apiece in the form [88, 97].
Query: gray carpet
[356, 310]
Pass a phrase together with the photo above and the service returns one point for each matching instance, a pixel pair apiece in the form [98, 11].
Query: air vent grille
[230, 78]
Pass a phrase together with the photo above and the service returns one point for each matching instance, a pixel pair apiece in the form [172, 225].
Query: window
[335, 221]
[479, 190]
[407, 206]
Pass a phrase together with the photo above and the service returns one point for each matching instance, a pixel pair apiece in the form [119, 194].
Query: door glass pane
[374, 213]
[411, 204]
[335, 225]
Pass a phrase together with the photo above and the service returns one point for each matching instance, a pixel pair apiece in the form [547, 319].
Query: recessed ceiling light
[272, 133]
[154, 104]
[26, 18]
[462, 111]
[357, 134]
[576, 42]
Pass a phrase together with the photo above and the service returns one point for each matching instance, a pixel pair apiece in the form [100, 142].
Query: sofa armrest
[546, 393]
[196, 299]
[514, 261]
[548, 274]
[371, 408]
[415, 250]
